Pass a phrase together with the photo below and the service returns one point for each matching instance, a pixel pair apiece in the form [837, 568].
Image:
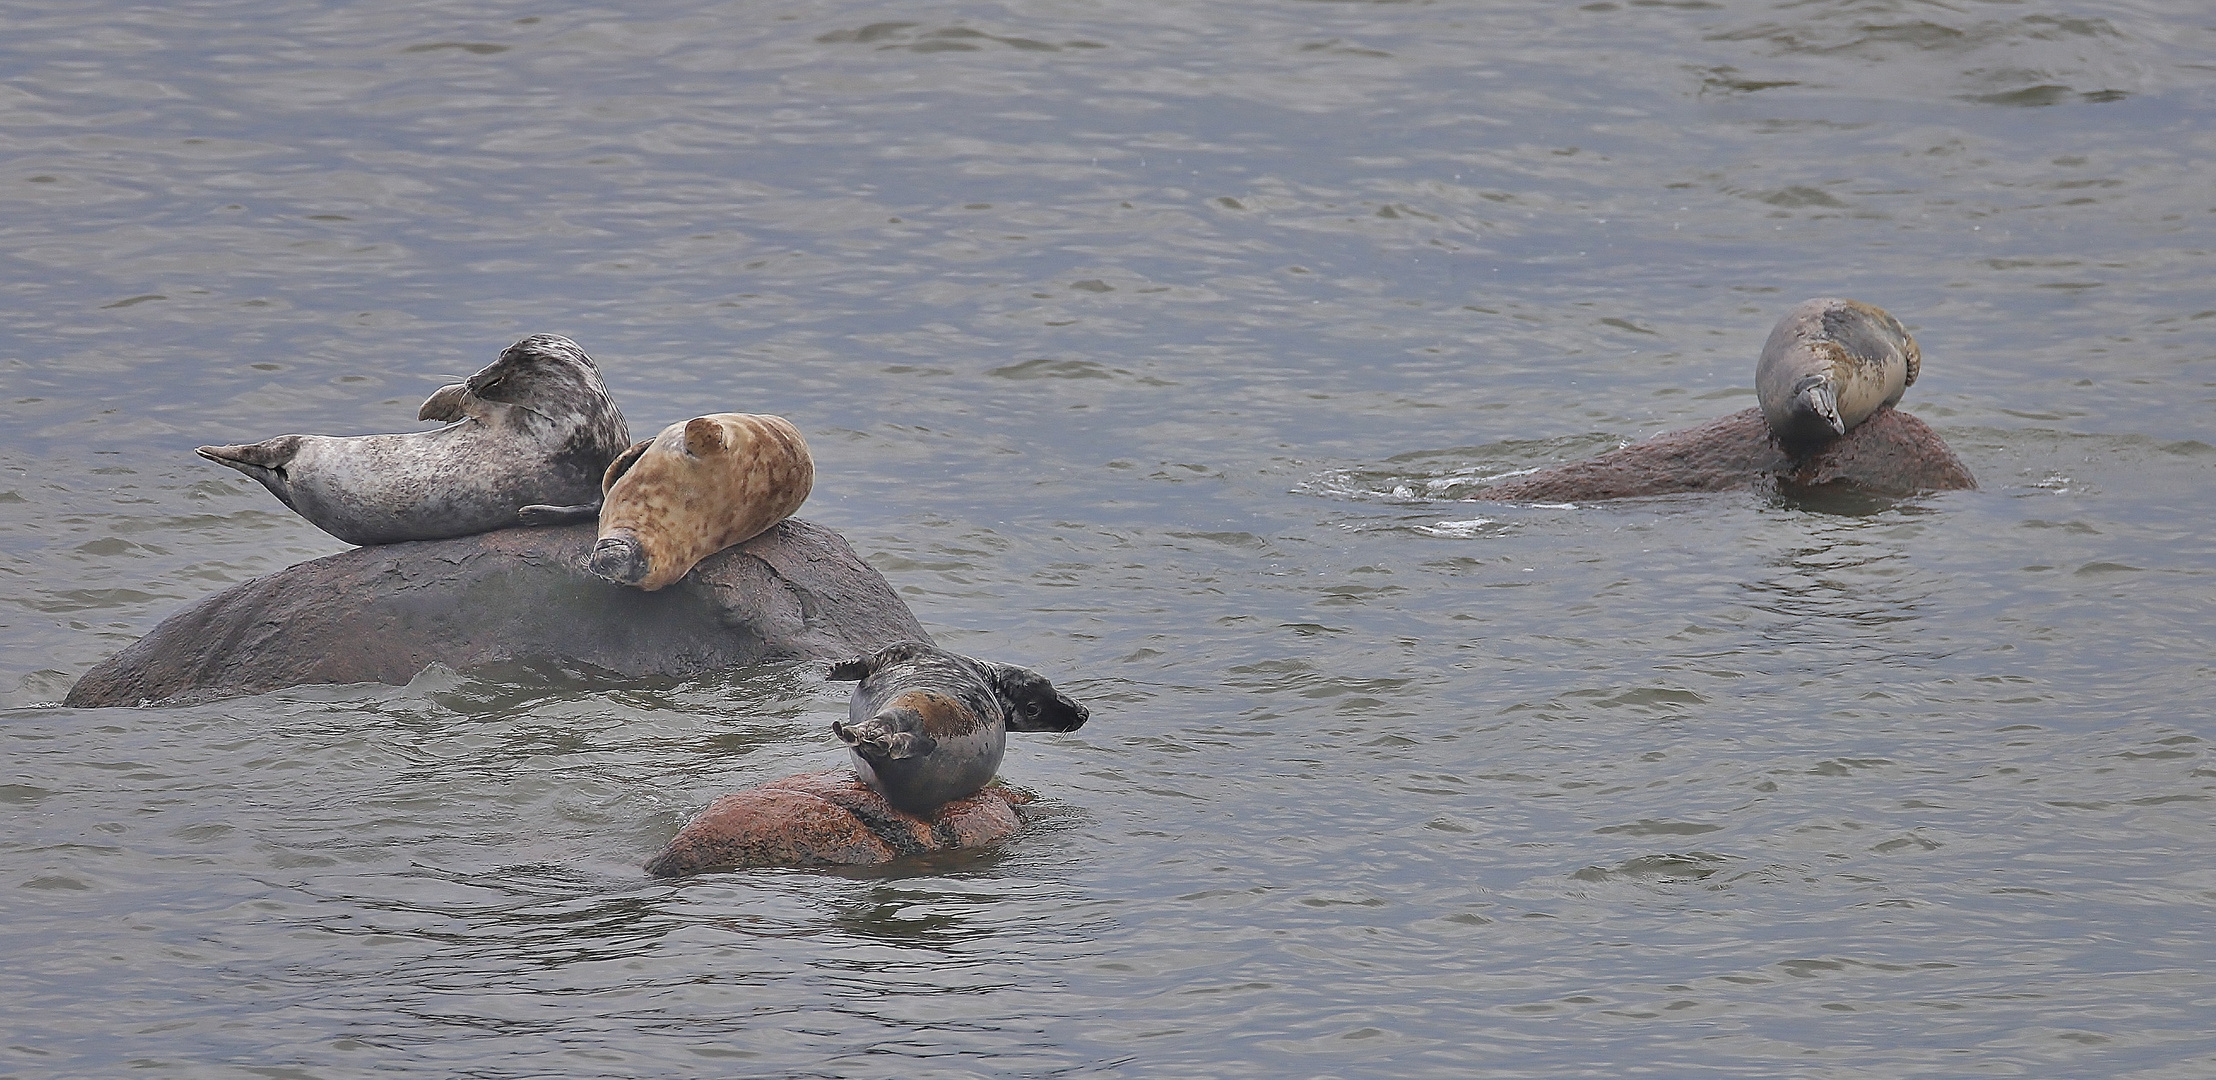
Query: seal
[926, 726]
[700, 486]
[1829, 365]
[535, 426]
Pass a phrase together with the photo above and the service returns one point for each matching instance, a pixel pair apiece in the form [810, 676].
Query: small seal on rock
[535, 426]
[1828, 366]
[927, 726]
[700, 486]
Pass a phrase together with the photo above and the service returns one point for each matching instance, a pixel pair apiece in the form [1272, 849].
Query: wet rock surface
[383, 614]
[829, 819]
[1891, 453]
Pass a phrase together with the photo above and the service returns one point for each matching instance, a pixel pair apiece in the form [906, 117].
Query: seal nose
[619, 557]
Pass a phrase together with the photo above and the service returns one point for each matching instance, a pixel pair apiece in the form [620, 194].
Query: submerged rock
[383, 614]
[1891, 453]
[829, 819]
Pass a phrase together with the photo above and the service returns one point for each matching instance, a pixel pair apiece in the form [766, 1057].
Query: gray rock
[513, 596]
[1891, 453]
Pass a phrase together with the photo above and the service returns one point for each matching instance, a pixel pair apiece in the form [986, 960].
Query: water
[1154, 346]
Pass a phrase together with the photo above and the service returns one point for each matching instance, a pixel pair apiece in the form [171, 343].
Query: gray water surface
[1158, 346]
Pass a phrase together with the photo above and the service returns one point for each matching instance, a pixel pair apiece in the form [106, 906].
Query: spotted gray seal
[1828, 365]
[926, 726]
[700, 486]
[535, 426]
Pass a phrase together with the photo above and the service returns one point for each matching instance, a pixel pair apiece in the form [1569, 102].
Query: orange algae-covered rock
[829, 819]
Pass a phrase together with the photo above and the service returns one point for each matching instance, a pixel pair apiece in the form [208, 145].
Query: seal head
[926, 726]
[535, 426]
[1828, 366]
[700, 486]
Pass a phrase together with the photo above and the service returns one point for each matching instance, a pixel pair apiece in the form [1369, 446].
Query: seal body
[535, 426]
[693, 490]
[1828, 365]
[926, 726]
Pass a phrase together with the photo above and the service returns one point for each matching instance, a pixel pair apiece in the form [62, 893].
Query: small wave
[1369, 485]
[1456, 530]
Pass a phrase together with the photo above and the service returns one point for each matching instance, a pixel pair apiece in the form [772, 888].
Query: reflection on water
[1167, 347]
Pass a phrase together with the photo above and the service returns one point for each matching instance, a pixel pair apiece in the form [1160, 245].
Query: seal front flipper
[542, 514]
[860, 667]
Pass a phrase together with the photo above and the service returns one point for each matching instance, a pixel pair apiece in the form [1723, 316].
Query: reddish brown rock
[829, 819]
[512, 597]
[1891, 453]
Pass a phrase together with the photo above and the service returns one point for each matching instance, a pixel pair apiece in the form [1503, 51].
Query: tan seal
[535, 426]
[698, 487]
[1829, 365]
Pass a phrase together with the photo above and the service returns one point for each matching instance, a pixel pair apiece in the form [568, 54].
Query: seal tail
[892, 735]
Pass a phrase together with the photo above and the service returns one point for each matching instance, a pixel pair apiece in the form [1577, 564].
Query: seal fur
[926, 726]
[535, 426]
[699, 486]
[1828, 365]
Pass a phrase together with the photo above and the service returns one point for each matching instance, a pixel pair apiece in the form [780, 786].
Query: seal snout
[619, 557]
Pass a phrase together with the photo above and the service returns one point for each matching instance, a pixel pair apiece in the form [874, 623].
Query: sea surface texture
[1161, 347]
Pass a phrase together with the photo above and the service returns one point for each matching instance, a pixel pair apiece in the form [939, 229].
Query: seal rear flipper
[446, 404]
[270, 454]
[543, 514]
[703, 436]
[888, 736]
[1820, 400]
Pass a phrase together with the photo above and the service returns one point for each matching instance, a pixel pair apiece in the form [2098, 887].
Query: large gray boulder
[1891, 453]
[514, 596]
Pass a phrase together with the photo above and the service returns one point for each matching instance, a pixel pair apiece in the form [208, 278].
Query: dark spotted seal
[534, 427]
[1829, 365]
[927, 726]
[698, 487]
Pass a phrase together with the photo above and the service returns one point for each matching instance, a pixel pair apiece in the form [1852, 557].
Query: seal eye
[1031, 708]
